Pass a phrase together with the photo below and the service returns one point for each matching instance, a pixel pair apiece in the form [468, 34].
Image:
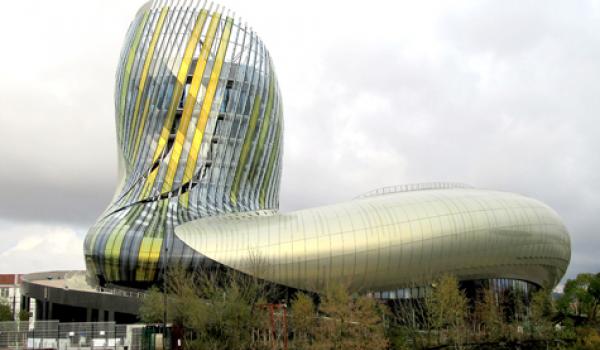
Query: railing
[67, 336]
[121, 292]
[414, 187]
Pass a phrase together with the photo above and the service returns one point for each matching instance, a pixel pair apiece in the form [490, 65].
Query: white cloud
[559, 288]
[39, 247]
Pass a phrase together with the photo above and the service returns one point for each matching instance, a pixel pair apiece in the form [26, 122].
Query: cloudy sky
[498, 94]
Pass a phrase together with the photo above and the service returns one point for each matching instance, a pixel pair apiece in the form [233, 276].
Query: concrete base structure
[64, 296]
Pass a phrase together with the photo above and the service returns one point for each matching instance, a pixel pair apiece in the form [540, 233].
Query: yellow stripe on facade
[264, 129]
[149, 251]
[127, 72]
[145, 112]
[177, 91]
[111, 253]
[147, 189]
[207, 104]
[181, 77]
[245, 152]
[148, 256]
[117, 236]
[145, 69]
[190, 103]
[269, 172]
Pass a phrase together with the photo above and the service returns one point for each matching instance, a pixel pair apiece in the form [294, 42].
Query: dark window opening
[226, 95]
[186, 88]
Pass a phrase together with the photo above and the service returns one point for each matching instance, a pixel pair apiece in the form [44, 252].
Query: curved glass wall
[499, 286]
[199, 128]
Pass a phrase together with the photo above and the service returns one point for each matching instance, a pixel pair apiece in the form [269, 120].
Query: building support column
[44, 310]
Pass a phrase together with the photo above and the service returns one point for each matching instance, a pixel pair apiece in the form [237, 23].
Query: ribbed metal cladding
[199, 124]
[393, 240]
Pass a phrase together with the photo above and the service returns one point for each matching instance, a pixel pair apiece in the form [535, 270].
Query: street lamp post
[165, 262]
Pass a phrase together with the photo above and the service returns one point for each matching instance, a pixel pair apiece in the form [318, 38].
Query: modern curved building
[200, 129]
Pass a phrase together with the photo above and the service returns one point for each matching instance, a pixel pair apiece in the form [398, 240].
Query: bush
[5, 312]
[23, 315]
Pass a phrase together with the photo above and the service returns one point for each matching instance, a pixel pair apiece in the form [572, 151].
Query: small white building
[10, 292]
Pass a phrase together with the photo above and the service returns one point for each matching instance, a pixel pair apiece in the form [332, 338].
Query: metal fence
[75, 335]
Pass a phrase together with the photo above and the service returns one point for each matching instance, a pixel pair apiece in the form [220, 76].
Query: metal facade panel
[393, 241]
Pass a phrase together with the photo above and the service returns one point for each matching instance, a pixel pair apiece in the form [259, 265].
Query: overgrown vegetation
[348, 322]
[445, 318]
[217, 313]
[237, 312]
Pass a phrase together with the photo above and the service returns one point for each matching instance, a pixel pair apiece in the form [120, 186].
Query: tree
[151, 309]
[225, 318]
[349, 322]
[594, 291]
[219, 312]
[332, 331]
[448, 308]
[513, 303]
[489, 313]
[541, 310]
[303, 320]
[581, 296]
[369, 327]
[411, 327]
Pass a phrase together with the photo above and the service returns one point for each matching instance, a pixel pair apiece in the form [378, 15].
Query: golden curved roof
[391, 241]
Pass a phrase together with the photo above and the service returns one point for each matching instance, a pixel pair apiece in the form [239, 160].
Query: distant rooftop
[11, 279]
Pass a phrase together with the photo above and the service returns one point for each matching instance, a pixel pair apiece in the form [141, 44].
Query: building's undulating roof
[398, 240]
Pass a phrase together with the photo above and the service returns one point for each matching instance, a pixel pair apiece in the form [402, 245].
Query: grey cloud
[501, 95]
[510, 103]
